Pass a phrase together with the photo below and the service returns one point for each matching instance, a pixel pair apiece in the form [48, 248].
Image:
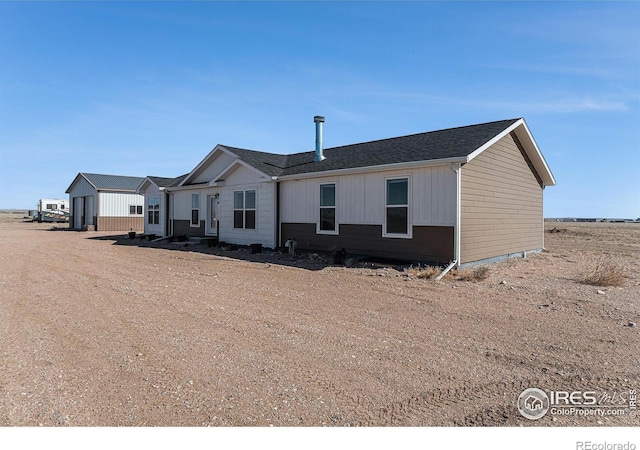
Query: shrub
[424, 272]
[605, 274]
[477, 274]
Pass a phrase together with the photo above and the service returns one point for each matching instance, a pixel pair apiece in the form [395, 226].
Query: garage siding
[501, 203]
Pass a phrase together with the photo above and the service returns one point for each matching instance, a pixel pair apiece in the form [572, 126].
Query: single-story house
[106, 203]
[465, 195]
[156, 201]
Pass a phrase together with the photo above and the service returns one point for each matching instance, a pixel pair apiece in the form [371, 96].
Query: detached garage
[106, 203]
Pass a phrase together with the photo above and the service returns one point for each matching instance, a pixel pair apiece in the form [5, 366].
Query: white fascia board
[75, 180]
[117, 191]
[381, 168]
[190, 187]
[526, 138]
[550, 181]
[201, 163]
[232, 166]
[142, 185]
[489, 143]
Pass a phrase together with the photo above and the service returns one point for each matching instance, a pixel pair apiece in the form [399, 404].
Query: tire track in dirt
[438, 402]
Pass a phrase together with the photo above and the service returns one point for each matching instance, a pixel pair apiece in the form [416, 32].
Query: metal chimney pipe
[319, 120]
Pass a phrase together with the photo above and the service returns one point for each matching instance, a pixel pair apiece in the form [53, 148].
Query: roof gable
[109, 182]
[222, 159]
[159, 182]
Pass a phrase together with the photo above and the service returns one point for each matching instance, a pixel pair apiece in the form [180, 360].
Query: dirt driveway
[99, 332]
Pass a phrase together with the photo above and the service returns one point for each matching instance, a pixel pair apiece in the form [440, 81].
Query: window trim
[191, 224]
[409, 233]
[154, 209]
[335, 208]
[244, 209]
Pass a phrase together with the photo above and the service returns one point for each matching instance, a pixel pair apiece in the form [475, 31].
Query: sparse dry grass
[605, 274]
[476, 274]
[431, 272]
[424, 272]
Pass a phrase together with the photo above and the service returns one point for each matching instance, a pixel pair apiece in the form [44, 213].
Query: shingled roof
[109, 182]
[167, 182]
[434, 145]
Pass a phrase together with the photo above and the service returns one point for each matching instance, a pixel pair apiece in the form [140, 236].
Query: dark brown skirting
[429, 243]
[184, 228]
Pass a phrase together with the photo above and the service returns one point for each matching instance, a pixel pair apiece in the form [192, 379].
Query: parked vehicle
[52, 210]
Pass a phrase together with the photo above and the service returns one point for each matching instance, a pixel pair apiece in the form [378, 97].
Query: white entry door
[212, 212]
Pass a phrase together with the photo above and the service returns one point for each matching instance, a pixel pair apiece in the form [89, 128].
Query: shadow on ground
[303, 260]
[308, 260]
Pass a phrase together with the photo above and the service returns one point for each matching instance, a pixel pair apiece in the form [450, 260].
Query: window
[397, 207]
[327, 208]
[195, 210]
[244, 209]
[62, 206]
[153, 211]
[135, 210]
[52, 206]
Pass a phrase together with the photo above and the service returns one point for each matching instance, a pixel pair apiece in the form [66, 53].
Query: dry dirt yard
[103, 331]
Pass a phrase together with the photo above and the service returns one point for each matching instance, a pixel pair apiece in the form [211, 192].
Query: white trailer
[53, 210]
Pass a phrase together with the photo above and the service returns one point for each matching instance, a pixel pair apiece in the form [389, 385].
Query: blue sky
[149, 88]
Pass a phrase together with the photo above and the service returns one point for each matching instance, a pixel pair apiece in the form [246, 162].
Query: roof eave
[75, 180]
[377, 168]
[202, 163]
[147, 180]
[520, 128]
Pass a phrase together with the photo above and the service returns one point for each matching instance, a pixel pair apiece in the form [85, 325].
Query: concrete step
[202, 240]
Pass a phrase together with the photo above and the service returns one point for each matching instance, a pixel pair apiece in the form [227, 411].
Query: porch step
[198, 240]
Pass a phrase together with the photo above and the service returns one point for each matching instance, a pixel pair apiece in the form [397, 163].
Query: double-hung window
[195, 210]
[327, 222]
[153, 211]
[397, 208]
[244, 209]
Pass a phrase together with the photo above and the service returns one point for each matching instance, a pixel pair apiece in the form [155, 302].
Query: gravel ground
[99, 330]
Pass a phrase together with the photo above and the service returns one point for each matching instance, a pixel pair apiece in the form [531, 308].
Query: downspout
[278, 226]
[170, 207]
[166, 212]
[456, 239]
[96, 206]
[456, 229]
[543, 238]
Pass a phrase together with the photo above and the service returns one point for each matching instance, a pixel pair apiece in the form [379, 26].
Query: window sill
[328, 232]
[397, 236]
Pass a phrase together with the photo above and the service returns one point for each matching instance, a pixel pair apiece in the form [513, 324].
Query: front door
[212, 219]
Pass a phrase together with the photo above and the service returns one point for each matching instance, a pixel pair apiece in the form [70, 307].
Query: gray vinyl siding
[429, 243]
[360, 198]
[501, 203]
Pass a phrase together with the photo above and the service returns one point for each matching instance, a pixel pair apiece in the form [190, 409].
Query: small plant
[424, 272]
[605, 274]
[477, 274]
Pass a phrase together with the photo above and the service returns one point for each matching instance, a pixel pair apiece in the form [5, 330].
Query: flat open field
[97, 331]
